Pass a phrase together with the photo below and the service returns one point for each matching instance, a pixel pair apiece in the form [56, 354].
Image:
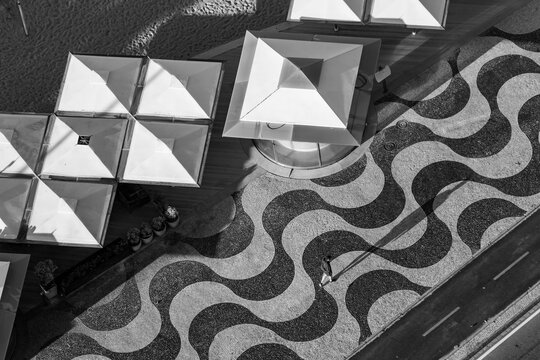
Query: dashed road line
[441, 321]
[510, 266]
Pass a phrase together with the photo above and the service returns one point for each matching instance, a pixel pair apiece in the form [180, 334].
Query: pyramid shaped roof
[4, 267]
[296, 87]
[329, 10]
[301, 102]
[180, 89]
[21, 136]
[10, 294]
[412, 13]
[165, 153]
[83, 147]
[69, 213]
[13, 195]
[99, 84]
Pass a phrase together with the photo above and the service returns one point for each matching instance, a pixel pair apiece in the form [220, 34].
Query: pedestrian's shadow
[404, 226]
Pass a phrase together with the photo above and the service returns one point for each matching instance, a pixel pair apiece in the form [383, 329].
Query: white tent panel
[342, 10]
[295, 106]
[21, 136]
[166, 153]
[300, 87]
[180, 89]
[407, 12]
[99, 84]
[300, 82]
[13, 196]
[83, 147]
[70, 213]
[412, 13]
[4, 267]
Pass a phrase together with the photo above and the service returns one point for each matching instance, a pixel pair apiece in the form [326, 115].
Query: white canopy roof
[338, 10]
[20, 140]
[412, 13]
[165, 153]
[13, 196]
[298, 88]
[180, 89]
[10, 294]
[69, 213]
[99, 84]
[4, 267]
[83, 147]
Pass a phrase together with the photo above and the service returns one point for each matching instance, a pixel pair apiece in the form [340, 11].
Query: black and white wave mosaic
[463, 166]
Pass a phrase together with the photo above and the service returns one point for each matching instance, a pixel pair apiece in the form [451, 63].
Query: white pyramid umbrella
[69, 213]
[98, 84]
[13, 196]
[4, 266]
[328, 10]
[298, 87]
[21, 136]
[430, 14]
[164, 153]
[180, 89]
[13, 270]
[83, 147]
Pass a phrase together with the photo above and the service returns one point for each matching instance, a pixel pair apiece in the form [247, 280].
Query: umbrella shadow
[404, 226]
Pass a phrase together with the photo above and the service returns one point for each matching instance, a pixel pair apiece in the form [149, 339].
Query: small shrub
[44, 271]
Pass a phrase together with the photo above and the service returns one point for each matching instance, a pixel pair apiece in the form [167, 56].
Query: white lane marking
[441, 321]
[496, 345]
[510, 266]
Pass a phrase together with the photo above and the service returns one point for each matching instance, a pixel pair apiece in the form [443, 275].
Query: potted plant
[147, 235]
[134, 238]
[44, 271]
[171, 216]
[159, 226]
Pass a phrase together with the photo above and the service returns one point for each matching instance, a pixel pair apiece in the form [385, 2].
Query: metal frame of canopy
[351, 135]
[46, 143]
[22, 239]
[128, 142]
[9, 300]
[365, 16]
[142, 83]
[98, 114]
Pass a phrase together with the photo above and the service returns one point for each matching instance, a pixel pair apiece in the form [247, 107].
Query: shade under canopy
[98, 84]
[83, 147]
[69, 213]
[299, 87]
[21, 136]
[430, 14]
[180, 89]
[164, 153]
[16, 267]
[13, 196]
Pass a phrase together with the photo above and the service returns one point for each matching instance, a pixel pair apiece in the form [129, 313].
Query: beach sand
[31, 67]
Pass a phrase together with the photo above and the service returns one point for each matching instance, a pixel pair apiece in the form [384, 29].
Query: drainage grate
[390, 146]
[402, 124]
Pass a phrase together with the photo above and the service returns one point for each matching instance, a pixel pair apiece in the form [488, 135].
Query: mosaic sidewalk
[443, 181]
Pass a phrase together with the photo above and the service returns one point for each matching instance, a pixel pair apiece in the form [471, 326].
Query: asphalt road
[478, 292]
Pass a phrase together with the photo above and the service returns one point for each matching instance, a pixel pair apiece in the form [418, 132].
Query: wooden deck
[229, 168]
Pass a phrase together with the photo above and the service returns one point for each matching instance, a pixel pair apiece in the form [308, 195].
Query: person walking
[327, 271]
